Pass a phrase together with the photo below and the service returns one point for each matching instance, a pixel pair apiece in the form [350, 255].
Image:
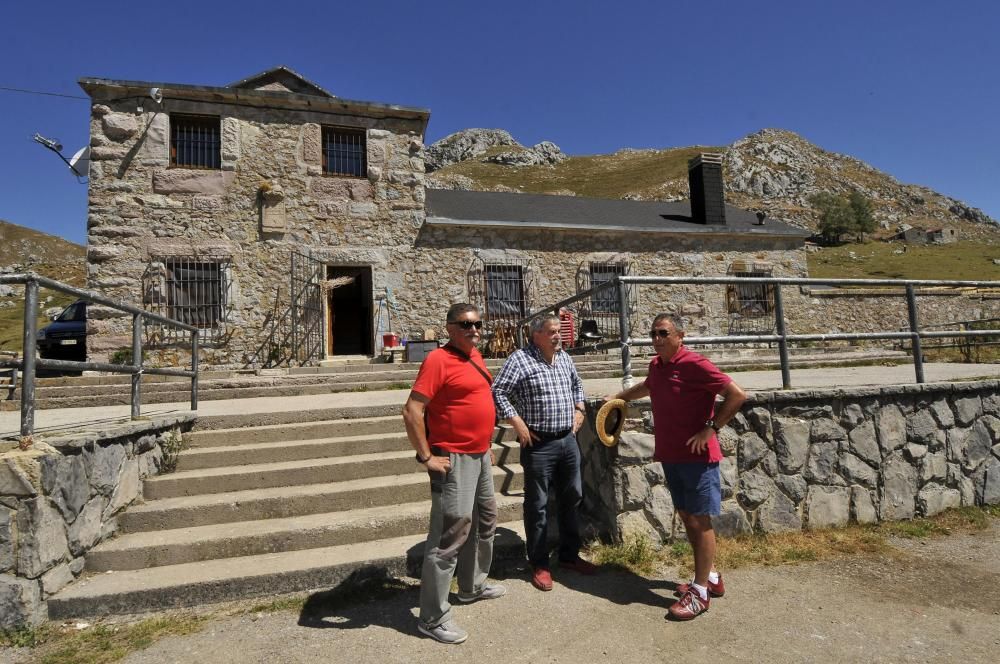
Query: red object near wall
[567, 330]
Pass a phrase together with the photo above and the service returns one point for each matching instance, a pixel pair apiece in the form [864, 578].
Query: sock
[713, 577]
[701, 590]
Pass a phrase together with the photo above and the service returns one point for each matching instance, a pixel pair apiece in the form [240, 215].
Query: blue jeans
[547, 460]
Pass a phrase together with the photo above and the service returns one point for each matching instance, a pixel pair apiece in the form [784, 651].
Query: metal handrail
[28, 363]
[781, 337]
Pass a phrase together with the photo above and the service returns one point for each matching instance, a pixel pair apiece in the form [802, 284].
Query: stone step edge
[226, 538]
[192, 584]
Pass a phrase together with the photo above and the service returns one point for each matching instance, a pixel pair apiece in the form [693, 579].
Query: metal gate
[307, 309]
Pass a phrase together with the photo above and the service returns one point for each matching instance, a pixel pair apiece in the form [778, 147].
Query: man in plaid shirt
[539, 393]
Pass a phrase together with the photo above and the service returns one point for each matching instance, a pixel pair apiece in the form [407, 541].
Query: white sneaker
[446, 632]
[486, 592]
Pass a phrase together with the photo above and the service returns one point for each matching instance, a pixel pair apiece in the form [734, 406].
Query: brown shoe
[689, 606]
[541, 578]
[714, 589]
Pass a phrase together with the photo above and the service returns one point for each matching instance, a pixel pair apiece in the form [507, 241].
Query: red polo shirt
[460, 411]
[683, 391]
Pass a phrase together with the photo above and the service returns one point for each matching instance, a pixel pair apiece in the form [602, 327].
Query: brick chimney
[708, 202]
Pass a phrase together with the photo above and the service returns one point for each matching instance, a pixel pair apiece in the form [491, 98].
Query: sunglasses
[663, 334]
[467, 324]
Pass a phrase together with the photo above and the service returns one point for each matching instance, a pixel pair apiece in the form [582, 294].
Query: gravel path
[930, 601]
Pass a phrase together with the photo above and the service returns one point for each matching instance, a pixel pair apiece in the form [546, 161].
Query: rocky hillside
[772, 169]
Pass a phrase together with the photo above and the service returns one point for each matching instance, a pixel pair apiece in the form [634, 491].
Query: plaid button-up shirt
[543, 394]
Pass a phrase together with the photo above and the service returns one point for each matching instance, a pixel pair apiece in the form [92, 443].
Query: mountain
[773, 169]
[23, 250]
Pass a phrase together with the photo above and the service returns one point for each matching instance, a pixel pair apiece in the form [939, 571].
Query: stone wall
[813, 459]
[60, 498]
[269, 197]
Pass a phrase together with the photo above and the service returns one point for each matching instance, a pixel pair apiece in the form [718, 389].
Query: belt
[544, 436]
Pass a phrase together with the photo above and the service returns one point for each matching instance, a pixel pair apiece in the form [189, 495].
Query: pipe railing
[28, 364]
[914, 334]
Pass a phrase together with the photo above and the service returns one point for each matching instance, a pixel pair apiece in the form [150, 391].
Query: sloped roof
[446, 207]
[281, 79]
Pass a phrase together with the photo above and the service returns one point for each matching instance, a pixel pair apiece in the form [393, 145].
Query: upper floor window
[195, 141]
[345, 152]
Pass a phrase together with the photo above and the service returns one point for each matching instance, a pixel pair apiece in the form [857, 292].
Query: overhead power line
[38, 92]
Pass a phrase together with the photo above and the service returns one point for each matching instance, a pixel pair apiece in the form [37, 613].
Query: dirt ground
[931, 600]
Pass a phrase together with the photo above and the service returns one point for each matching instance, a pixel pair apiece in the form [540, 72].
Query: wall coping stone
[102, 432]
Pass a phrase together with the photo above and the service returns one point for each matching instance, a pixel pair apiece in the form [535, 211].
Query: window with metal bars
[605, 302]
[504, 291]
[345, 152]
[750, 306]
[195, 141]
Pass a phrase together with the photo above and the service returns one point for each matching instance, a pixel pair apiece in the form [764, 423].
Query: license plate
[67, 342]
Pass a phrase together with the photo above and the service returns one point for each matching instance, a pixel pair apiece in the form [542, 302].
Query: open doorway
[349, 312]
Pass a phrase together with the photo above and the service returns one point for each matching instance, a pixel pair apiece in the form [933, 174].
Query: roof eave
[101, 89]
[523, 225]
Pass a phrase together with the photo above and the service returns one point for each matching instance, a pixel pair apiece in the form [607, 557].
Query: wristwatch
[419, 460]
[712, 425]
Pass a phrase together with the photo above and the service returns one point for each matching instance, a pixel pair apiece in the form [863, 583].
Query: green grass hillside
[642, 173]
[886, 260]
[43, 254]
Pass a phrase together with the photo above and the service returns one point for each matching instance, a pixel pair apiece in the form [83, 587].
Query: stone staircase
[277, 503]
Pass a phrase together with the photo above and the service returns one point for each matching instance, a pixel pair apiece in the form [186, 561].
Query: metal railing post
[779, 320]
[918, 356]
[626, 334]
[28, 364]
[137, 363]
[194, 369]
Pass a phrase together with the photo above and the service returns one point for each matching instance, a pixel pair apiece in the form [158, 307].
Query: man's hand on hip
[699, 442]
[524, 435]
[438, 464]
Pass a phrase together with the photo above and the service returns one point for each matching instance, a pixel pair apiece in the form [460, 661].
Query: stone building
[291, 225]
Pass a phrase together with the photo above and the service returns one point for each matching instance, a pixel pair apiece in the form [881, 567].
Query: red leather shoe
[579, 566]
[714, 589]
[541, 578]
[689, 606]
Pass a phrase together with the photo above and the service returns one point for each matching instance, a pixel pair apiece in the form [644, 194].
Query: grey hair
[674, 319]
[460, 309]
[537, 324]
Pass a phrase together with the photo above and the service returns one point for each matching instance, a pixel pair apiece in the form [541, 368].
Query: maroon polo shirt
[683, 391]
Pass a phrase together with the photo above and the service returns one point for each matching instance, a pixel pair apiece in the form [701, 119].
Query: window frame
[499, 281]
[605, 302]
[214, 153]
[361, 171]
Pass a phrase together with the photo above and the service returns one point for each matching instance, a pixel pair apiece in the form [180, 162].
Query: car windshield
[74, 312]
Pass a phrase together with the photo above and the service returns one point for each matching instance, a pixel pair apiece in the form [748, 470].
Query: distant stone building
[943, 235]
[291, 225]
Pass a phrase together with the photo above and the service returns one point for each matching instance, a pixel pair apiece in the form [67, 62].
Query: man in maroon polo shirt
[682, 386]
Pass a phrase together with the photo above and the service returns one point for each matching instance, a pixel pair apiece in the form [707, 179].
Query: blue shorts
[695, 487]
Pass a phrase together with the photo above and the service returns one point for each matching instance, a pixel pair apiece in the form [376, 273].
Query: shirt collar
[678, 356]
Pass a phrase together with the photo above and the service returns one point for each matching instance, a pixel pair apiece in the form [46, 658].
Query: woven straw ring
[610, 420]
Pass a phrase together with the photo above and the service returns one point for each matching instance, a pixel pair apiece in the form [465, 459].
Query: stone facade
[59, 499]
[814, 459]
[270, 196]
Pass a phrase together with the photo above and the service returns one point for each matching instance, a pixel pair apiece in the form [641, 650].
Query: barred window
[345, 152]
[195, 141]
[605, 302]
[196, 292]
[504, 291]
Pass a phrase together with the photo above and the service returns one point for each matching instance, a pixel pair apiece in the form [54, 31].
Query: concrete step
[273, 433]
[191, 584]
[285, 417]
[290, 501]
[247, 538]
[289, 473]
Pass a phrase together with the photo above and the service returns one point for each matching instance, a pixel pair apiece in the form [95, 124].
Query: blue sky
[912, 88]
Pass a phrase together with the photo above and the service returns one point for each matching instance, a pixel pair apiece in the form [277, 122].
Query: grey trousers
[463, 524]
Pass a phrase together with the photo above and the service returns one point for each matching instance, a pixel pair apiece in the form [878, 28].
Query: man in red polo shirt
[682, 386]
[449, 419]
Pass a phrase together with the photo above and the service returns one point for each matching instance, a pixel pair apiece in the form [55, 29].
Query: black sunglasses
[467, 324]
[663, 334]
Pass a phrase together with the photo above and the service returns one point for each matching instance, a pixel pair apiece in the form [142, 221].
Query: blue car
[65, 338]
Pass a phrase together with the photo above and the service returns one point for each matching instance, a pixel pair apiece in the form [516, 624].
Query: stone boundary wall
[813, 459]
[61, 497]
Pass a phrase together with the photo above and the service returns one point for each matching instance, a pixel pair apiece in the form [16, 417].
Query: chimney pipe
[708, 202]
